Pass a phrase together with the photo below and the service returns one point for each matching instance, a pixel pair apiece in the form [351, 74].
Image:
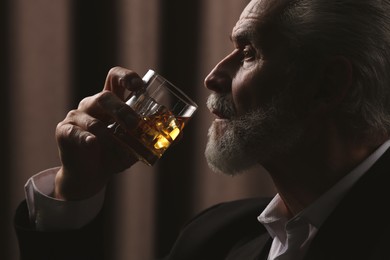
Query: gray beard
[254, 138]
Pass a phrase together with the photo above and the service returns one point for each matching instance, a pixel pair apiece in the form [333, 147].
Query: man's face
[252, 96]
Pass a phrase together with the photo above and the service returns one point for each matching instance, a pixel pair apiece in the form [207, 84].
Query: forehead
[256, 15]
[254, 9]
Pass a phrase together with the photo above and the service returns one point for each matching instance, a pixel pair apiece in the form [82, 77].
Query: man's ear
[335, 82]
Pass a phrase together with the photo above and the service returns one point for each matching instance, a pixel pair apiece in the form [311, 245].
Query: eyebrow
[245, 36]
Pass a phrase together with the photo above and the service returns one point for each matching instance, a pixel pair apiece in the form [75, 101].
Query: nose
[218, 81]
[220, 77]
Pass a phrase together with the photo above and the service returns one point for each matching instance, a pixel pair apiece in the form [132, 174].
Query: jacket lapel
[220, 231]
[352, 231]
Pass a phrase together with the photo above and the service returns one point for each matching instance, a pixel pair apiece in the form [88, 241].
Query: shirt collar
[274, 218]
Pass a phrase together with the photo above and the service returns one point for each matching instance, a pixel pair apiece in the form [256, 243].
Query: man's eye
[248, 54]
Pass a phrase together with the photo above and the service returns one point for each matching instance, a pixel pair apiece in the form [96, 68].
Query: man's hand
[89, 153]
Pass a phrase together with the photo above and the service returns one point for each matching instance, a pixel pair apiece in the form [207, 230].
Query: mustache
[221, 104]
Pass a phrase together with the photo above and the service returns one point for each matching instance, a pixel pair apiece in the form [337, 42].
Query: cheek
[258, 88]
[249, 92]
[243, 99]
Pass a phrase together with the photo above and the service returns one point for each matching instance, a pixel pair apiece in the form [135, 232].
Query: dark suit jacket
[358, 229]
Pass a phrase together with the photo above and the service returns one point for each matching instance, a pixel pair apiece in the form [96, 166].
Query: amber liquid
[153, 135]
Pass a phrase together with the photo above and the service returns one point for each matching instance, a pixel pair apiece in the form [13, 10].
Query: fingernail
[89, 139]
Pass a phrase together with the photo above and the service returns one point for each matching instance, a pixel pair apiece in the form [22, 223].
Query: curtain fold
[38, 72]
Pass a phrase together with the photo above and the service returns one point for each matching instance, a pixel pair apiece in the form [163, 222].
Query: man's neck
[303, 175]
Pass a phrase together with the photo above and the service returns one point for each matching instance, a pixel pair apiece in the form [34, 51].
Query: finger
[118, 110]
[122, 81]
[96, 159]
[108, 108]
[97, 113]
[79, 129]
[72, 136]
[83, 131]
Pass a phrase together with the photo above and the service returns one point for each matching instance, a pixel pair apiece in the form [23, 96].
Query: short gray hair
[358, 30]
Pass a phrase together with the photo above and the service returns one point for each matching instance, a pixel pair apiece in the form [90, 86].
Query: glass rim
[151, 75]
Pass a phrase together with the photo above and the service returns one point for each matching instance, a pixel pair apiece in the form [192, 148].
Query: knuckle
[104, 96]
[65, 131]
[115, 73]
[114, 70]
[69, 130]
[72, 113]
[85, 102]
